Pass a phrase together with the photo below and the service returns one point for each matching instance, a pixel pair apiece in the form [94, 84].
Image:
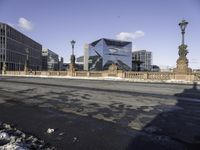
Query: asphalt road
[103, 115]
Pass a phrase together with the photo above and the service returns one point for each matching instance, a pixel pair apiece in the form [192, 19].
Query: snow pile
[13, 139]
[49, 130]
[12, 147]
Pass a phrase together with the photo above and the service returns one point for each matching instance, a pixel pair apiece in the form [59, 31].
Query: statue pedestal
[182, 66]
[113, 68]
[72, 69]
[182, 62]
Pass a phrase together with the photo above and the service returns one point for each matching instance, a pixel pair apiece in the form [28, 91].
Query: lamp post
[27, 61]
[73, 43]
[183, 25]
[73, 56]
[19, 66]
[72, 65]
[183, 48]
[4, 68]
[182, 61]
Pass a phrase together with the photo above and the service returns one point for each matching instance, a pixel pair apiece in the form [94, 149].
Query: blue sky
[151, 24]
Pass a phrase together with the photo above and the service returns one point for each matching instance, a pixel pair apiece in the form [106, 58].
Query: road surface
[103, 115]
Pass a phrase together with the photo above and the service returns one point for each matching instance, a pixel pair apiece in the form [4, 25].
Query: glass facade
[104, 52]
[13, 46]
[2, 44]
[50, 60]
[145, 59]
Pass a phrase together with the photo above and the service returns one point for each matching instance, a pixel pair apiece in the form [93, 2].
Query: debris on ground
[50, 131]
[14, 139]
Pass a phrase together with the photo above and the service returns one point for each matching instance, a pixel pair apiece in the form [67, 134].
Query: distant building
[155, 68]
[100, 54]
[166, 68]
[50, 60]
[61, 66]
[16, 49]
[196, 70]
[66, 66]
[80, 59]
[142, 60]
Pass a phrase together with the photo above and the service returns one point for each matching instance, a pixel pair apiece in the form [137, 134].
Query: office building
[142, 60]
[80, 59]
[100, 54]
[16, 49]
[50, 60]
[61, 62]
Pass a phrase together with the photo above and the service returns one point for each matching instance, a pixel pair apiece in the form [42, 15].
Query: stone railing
[63, 73]
[95, 74]
[136, 75]
[149, 75]
[54, 73]
[81, 73]
[15, 73]
[160, 76]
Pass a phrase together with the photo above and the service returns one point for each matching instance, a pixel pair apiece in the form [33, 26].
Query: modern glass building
[142, 60]
[16, 49]
[50, 60]
[104, 52]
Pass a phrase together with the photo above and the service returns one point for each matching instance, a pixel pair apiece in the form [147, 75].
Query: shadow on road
[176, 129]
[82, 123]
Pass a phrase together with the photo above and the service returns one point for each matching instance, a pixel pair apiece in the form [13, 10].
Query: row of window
[2, 57]
[15, 57]
[2, 29]
[2, 42]
[20, 48]
[16, 35]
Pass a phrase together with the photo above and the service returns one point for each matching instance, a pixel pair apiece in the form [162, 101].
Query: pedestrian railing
[81, 73]
[159, 75]
[136, 75]
[129, 75]
[95, 74]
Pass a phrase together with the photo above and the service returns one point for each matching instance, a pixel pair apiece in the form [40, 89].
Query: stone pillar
[72, 65]
[4, 69]
[113, 70]
[72, 69]
[182, 61]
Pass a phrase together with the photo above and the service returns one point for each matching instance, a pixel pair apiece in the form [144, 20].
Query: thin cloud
[195, 61]
[126, 36]
[25, 24]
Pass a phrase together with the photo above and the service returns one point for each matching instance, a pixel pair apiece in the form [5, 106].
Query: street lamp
[73, 56]
[73, 43]
[26, 63]
[4, 67]
[182, 61]
[183, 25]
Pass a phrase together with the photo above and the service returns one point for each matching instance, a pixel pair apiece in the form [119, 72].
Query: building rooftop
[112, 42]
[19, 32]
